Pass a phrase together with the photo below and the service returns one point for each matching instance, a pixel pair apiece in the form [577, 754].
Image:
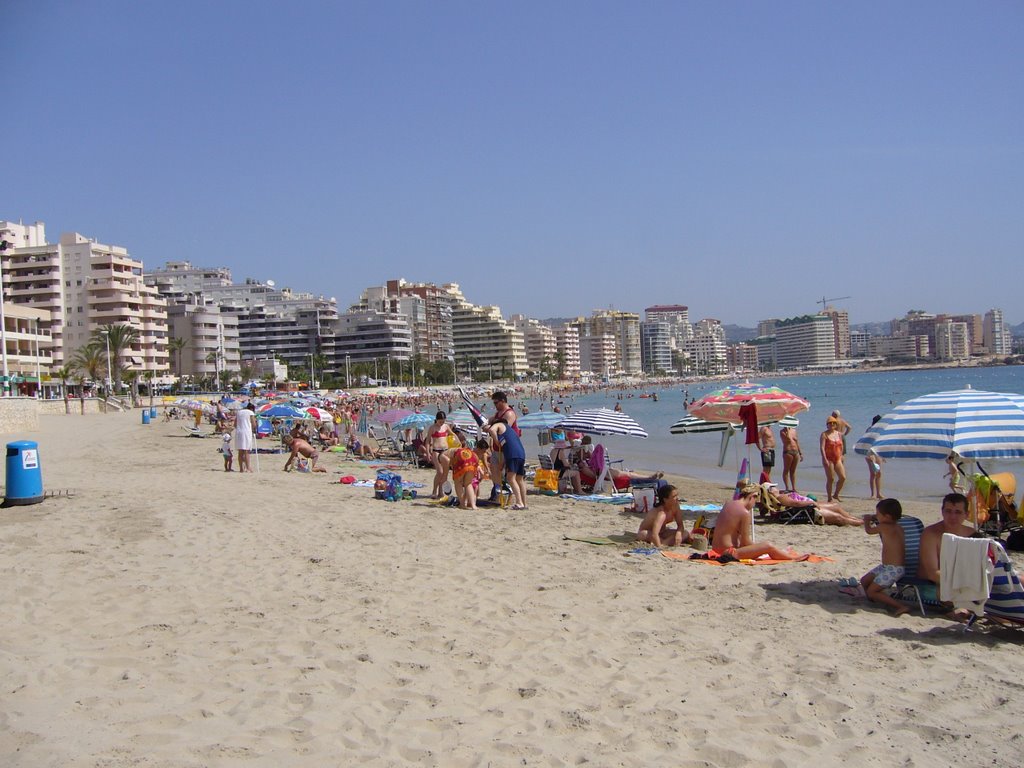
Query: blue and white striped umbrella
[602, 421]
[975, 425]
[414, 421]
[540, 420]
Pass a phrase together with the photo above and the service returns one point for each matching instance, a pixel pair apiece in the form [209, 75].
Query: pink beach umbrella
[773, 403]
[393, 415]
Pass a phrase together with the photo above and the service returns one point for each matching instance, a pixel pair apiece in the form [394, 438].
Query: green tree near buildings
[119, 339]
[175, 347]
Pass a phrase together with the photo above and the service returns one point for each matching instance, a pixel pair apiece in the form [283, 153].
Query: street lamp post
[348, 372]
[312, 373]
[106, 341]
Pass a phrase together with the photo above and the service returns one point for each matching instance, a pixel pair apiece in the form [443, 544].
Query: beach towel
[758, 561]
[965, 572]
[620, 499]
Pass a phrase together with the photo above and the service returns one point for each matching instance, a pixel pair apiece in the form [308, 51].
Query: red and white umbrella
[319, 413]
[772, 403]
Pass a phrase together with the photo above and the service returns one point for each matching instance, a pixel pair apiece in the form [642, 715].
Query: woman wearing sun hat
[831, 445]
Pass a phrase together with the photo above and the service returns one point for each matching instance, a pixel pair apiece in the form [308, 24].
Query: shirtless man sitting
[954, 513]
[298, 447]
[655, 527]
[733, 534]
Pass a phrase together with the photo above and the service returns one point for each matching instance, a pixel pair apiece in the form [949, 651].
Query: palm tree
[149, 376]
[91, 362]
[64, 373]
[119, 339]
[175, 346]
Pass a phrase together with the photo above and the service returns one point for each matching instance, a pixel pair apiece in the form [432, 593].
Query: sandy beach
[171, 614]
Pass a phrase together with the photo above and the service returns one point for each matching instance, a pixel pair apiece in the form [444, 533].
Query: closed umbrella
[603, 421]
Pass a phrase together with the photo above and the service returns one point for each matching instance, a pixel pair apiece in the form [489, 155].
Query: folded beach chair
[544, 461]
[910, 586]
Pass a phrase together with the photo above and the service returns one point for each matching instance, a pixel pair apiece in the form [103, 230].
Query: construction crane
[824, 302]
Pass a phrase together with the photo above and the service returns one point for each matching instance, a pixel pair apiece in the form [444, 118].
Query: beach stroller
[992, 502]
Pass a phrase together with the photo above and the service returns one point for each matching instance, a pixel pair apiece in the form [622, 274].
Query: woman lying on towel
[830, 511]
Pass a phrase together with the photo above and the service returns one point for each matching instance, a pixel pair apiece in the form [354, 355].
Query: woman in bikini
[831, 445]
[791, 457]
[438, 445]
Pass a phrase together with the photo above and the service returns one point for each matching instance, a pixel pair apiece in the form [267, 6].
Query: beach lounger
[194, 432]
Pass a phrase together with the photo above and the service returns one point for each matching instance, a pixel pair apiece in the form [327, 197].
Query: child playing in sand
[876, 582]
[874, 473]
[225, 448]
[655, 526]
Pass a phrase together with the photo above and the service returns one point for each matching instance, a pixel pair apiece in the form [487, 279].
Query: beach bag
[387, 486]
[643, 500]
[546, 480]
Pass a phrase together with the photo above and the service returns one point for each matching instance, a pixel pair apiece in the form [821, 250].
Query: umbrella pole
[726, 434]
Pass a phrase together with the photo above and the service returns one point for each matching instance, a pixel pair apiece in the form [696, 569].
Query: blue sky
[742, 158]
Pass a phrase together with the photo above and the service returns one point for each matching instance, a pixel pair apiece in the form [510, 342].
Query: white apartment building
[840, 331]
[952, 341]
[103, 286]
[369, 335]
[997, 337]
[898, 347]
[624, 327]
[541, 343]
[26, 351]
[567, 339]
[706, 349]
[656, 345]
[483, 341]
[84, 285]
[599, 354]
[678, 318]
[805, 342]
[211, 340]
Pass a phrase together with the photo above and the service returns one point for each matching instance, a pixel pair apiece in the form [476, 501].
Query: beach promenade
[171, 614]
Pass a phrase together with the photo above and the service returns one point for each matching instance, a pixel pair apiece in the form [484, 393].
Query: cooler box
[24, 476]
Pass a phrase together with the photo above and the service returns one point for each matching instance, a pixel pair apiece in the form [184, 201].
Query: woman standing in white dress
[245, 440]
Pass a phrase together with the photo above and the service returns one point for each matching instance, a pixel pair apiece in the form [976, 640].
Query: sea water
[858, 396]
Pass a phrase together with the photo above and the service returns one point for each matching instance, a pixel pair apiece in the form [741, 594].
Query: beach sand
[171, 614]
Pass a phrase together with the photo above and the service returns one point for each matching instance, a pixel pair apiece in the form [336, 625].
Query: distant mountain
[874, 329]
[734, 334]
[1017, 330]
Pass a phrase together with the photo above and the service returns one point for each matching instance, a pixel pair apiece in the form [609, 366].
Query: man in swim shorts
[766, 444]
[300, 447]
[733, 531]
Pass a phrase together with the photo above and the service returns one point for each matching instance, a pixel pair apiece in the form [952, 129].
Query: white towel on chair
[965, 572]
